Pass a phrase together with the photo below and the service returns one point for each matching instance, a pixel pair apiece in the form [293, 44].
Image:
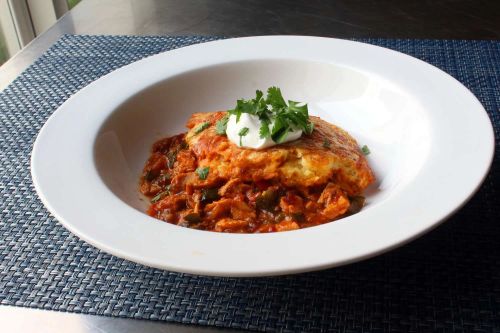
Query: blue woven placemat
[447, 280]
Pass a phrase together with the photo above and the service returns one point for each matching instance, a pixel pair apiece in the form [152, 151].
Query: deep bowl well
[376, 112]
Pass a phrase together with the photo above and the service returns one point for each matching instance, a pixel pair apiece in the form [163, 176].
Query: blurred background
[23, 20]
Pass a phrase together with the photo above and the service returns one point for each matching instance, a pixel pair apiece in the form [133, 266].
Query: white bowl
[431, 146]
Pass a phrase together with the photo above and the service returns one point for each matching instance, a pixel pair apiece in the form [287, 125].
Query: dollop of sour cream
[252, 139]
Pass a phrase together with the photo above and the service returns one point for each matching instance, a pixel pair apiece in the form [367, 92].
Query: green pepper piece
[209, 195]
[356, 205]
[268, 200]
[298, 217]
[149, 175]
[192, 218]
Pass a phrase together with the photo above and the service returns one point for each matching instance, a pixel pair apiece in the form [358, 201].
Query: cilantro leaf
[326, 143]
[309, 128]
[296, 107]
[264, 131]
[261, 105]
[365, 150]
[295, 119]
[259, 95]
[202, 172]
[161, 195]
[201, 127]
[275, 98]
[171, 158]
[221, 125]
[280, 135]
[242, 133]
[236, 111]
[248, 106]
[280, 129]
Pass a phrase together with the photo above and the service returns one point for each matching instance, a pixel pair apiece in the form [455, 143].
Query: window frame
[22, 20]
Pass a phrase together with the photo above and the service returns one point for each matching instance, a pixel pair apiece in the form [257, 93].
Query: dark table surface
[422, 19]
[435, 19]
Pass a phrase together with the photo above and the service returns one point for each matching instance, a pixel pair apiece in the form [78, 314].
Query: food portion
[204, 180]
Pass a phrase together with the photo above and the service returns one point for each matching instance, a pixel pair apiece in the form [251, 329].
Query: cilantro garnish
[160, 195]
[201, 127]
[242, 133]
[274, 109]
[202, 172]
[171, 158]
[264, 131]
[221, 125]
[326, 143]
[365, 150]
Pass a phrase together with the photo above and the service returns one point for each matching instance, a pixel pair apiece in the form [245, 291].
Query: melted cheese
[304, 162]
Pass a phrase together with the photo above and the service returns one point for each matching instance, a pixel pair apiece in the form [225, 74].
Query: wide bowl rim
[240, 50]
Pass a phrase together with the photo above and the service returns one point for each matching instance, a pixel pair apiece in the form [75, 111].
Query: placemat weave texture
[447, 280]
